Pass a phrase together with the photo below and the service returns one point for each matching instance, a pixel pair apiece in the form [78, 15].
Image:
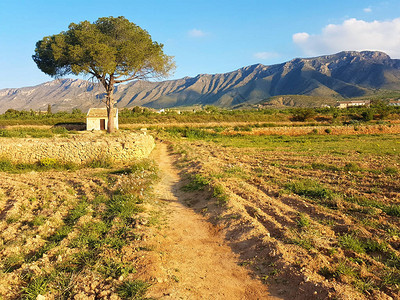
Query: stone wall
[79, 148]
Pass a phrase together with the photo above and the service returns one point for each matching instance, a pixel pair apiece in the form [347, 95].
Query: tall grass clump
[220, 194]
[309, 188]
[197, 182]
[133, 289]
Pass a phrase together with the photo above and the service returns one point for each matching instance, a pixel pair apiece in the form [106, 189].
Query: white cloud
[196, 33]
[368, 9]
[353, 34]
[265, 55]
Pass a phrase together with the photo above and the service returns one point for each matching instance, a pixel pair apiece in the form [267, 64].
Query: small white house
[346, 104]
[96, 119]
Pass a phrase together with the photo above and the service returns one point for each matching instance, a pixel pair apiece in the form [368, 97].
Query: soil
[194, 260]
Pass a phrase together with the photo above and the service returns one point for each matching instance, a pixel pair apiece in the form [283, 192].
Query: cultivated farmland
[313, 215]
[238, 212]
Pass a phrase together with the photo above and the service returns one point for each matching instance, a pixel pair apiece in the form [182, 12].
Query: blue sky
[206, 36]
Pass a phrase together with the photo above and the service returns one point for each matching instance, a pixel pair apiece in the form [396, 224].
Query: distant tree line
[378, 111]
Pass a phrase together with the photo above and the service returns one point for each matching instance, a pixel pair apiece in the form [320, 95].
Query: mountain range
[334, 77]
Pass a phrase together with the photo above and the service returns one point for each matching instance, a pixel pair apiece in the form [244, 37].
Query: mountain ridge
[342, 75]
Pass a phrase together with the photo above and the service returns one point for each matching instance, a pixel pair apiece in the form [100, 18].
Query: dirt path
[195, 262]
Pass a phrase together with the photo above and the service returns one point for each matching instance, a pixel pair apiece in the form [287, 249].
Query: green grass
[25, 132]
[309, 188]
[305, 243]
[392, 210]
[380, 145]
[77, 212]
[38, 221]
[91, 235]
[114, 269]
[198, 182]
[133, 289]
[390, 171]
[303, 221]
[122, 206]
[45, 164]
[12, 262]
[101, 162]
[220, 194]
[351, 242]
[36, 286]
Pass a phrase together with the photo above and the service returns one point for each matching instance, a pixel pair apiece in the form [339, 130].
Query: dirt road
[194, 261]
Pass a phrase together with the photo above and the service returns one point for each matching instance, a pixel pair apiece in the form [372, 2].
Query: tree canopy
[112, 50]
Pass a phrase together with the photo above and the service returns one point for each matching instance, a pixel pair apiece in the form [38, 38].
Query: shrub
[48, 162]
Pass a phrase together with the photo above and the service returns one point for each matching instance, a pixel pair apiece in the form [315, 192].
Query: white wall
[94, 123]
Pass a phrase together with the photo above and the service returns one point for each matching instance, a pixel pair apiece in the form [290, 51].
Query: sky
[207, 36]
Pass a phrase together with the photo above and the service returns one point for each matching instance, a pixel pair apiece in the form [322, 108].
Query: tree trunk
[110, 105]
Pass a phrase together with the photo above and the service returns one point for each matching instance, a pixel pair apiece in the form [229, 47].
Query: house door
[102, 124]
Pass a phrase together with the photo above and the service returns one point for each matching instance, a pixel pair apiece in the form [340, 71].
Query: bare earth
[193, 260]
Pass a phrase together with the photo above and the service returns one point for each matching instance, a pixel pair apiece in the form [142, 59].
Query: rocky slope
[345, 74]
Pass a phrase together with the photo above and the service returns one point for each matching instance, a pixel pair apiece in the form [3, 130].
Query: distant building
[346, 104]
[96, 119]
[394, 103]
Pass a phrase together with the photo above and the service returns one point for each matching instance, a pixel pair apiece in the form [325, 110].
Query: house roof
[100, 112]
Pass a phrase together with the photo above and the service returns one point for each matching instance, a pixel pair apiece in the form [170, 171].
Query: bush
[303, 114]
[367, 115]
[48, 162]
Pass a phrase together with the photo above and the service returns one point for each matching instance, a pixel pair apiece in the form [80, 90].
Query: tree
[303, 114]
[111, 50]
